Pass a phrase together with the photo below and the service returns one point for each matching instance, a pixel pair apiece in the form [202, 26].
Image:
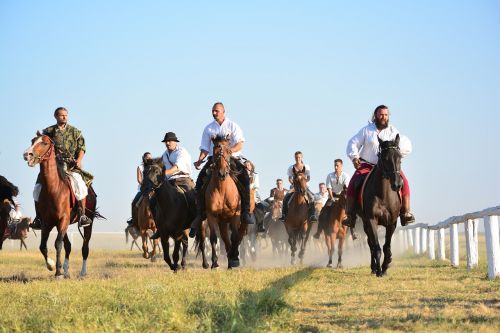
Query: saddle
[361, 181]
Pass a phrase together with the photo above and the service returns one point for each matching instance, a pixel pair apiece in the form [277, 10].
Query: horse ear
[304, 169]
[227, 136]
[397, 140]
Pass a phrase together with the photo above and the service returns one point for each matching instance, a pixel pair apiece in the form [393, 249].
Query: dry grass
[127, 293]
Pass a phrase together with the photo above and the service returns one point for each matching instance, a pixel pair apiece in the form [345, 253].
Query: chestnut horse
[330, 219]
[145, 222]
[297, 221]
[382, 203]
[55, 205]
[222, 201]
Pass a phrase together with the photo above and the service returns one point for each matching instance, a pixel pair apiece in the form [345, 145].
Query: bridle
[44, 156]
[220, 156]
[385, 172]
[296, 184]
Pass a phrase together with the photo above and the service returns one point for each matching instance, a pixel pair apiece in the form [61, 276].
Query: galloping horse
[276, 229]
[19, 230]
[381, 202]
[55, 205]
[330, 218]
[145, 222]
[222, 200]
[297, 224]
[7, 192]
[171, 213]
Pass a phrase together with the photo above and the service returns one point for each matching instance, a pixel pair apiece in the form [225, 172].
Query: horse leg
[233, 257]
[61, 232]
[67, 252]
[340, 248]
[144, 237]
[175, 254]
[213, 244]
[166, 251]
[184, 243]
[292, 240]
[43, 248]
[154, 245]
[387, 248]
[328, 238]
[375, 249]
[304, 236]
[137, 245]
[87, 234]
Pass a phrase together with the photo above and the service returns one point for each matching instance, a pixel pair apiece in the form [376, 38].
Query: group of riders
[362, 150]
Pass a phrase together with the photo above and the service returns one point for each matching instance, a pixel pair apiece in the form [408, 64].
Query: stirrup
[406, 218]
[156, 234]
[349, 221]
[36, 224]
[84, 221]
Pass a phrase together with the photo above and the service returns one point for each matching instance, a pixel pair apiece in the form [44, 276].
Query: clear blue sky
[296, 75]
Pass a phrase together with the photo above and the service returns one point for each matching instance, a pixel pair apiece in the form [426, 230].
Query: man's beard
[379, 124]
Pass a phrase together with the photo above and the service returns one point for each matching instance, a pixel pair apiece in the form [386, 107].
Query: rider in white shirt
[225, 127]
[337, 180]
[362, 149]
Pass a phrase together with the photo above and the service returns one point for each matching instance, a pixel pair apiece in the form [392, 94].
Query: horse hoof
[59, 277]
[153, 259]
[204, 265]
[82, 275]
[50, 264]
[67, 276]
[340, 266]
[215, 266]
[329, 265]
[233, 263]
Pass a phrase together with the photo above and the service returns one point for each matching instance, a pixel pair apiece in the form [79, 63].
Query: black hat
[170, 136]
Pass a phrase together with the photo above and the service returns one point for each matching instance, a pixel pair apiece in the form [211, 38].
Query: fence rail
[421, 238]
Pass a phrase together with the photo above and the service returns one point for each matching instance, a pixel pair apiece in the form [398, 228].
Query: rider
[70, 149]
[255, 185]
[299, 166]
[279, 192]
[146, 160]
[323, 195]
[362, 149]
[177, 170]
[222, 126]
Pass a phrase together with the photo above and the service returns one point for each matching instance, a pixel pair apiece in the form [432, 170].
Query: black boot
[260, 227]
[284, 208]
[318, 233]
[156, 235]
[405, 216]
[83, 220]
[350, 219]
[200, 215]
[312, 213]
[37, 222]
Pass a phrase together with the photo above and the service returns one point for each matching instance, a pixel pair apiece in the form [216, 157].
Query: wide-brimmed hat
[170, 136]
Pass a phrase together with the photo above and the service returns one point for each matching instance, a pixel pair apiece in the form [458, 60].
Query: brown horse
[382, 203]
[133, 231]
[55, 205]
[19, 230]
[276, 229]
[204, 232]
[297, 221]
[330, 219]
[146, 223]
[222, 201]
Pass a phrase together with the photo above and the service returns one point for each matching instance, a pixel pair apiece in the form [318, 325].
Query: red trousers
[364, 169]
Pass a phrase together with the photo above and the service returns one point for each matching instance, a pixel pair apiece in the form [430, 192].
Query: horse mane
[7, 189]
[219, 138]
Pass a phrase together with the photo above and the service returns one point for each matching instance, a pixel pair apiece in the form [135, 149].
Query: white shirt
[179, 157]
[365, 143]
[255, 185]
[307, 172]
[140, 167]
[213, 129]
[321, 197]
[337, 183]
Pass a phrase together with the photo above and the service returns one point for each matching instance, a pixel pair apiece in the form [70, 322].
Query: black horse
[7, 192]
[382, 203]
[171, 211]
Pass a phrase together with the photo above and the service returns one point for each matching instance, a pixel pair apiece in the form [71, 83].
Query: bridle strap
[45, 155]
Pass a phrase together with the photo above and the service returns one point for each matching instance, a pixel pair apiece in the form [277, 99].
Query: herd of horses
[379, 205]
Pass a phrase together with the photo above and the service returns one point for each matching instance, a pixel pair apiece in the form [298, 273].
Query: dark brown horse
[145, 224]
[381, 202]
[4, 218]
[297, 221]
[7, 193]
[276, 229]
[171, 213]
[55, 205]
[330, 219]
[222, 201]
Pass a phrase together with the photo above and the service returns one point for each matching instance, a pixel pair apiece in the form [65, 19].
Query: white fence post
[401, 240]
[410, 237]
[492, 246]
[432, 254]
[405, 239]
[416, 242]
[476, 241]
[454, 245]
[441, 244]
[423, 240]
[470, 244]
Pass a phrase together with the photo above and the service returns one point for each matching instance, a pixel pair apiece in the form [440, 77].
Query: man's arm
[201, 157]
[237, 147]
[79, 159]
[139, 176]
[354, 146]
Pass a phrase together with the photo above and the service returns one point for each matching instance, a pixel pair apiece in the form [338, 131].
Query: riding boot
[405, 215]
[318, 232]
[37, 222]
[246, 216]
[312, 213]
[350, 219]
[260, 227]
[83, 220]
[284, 208]
[156, 234]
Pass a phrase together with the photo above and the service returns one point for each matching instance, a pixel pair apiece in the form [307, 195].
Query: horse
[330, 219]
[222, 200]
[204, 232]
[55, 206]
[7, 192]
[146, 225]
[381, 202]
[276, 229]
[171, 212]
[19, 230]
[297, 222]
[134, 233]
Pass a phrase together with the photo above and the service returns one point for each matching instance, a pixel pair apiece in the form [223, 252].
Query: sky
[294, 75]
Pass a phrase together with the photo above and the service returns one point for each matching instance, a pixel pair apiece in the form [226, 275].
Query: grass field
[124, 292]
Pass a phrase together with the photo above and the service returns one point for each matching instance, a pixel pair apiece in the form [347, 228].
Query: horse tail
[97, 215]
[197, 242]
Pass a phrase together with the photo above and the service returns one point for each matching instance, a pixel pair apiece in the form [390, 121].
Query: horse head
[300, 181]
[153, 176]
[222, 156]
[389, 162]
[40, 150]
[276, 209]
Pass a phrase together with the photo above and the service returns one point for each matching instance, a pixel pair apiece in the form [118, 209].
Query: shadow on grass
[18, 278]
[248, 313]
